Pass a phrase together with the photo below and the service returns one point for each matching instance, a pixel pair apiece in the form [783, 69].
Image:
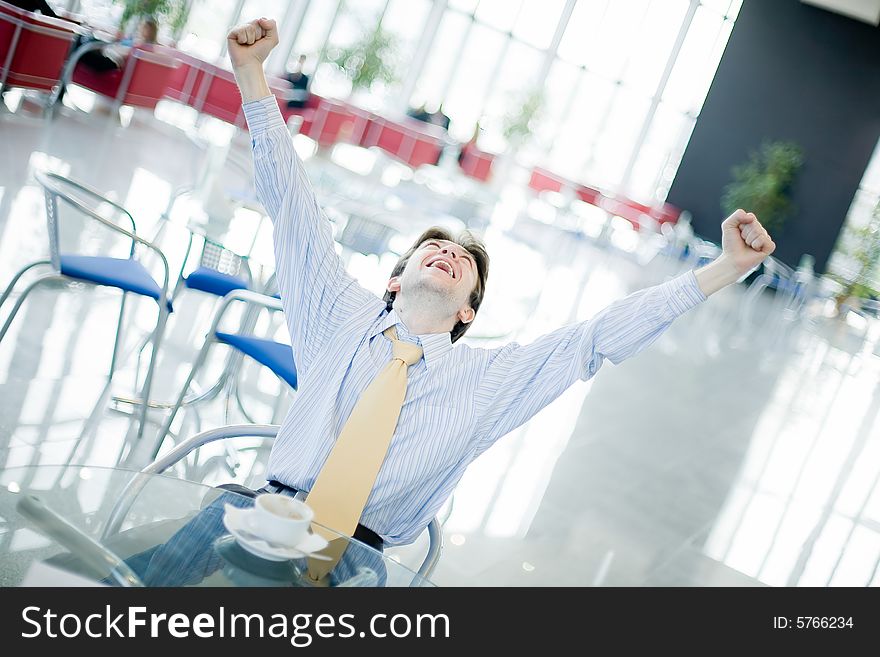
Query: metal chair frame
[53, 187]
[255, 301]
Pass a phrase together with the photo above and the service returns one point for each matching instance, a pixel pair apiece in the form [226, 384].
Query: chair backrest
[33, 49]
[366, 235]
[219, 258]
[84, 199]
[150, 73]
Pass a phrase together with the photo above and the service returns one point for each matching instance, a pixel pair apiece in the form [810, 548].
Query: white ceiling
[863, 10]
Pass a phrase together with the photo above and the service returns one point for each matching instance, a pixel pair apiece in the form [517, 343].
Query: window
[205, 33]
[435, 76]
[516, 78]
[312, 33]
[253, 9]
[537, 21]
[500, 14]
[472, 76]
[601, 123]
[696, 64]
[405, 21]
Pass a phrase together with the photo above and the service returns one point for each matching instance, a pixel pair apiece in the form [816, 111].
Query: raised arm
[518, 381]
[745, 244]
[317, 293]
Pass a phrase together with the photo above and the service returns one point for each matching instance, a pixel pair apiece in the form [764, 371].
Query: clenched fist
[745, 241]
[249, 44]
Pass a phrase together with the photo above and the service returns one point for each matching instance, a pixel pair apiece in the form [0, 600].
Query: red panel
[185, 81]
[391, 139]
[667, 213]
[542, 180]
[589, 195]
[40, 52]
[9, 10]
[477, 164]
[106, 84]
[623, 207]
[333, 121]
[222, 98]
[425, 151]
[7, 35]
[152, 73]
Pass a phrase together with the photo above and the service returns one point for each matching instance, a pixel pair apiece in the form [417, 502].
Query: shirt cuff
[682, 293]
[263, 114]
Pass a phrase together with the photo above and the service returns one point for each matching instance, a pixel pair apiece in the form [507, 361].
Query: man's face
[444, 269]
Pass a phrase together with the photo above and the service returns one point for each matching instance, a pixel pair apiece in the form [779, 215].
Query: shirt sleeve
[518, 381]
[317, 293]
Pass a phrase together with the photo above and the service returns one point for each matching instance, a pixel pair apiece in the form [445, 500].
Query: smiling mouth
[443, 266]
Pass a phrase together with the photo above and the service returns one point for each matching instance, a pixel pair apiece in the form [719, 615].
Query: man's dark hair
[473, 245]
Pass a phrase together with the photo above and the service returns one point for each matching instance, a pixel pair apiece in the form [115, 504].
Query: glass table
[121, 527]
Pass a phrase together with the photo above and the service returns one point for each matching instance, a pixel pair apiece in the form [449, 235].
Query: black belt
[361, 533]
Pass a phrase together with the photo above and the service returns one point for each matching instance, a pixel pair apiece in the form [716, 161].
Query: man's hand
[745, 241]
[745, 244]
[249, 44]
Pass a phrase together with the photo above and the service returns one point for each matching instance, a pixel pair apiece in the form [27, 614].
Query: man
[112, 56]
[299, 94]
[458, 400]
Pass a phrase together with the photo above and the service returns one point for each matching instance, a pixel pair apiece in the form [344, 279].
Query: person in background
[34, 6]
[470, 143]
[433, 116]
[299, 95]
[439, 118]
[112, 56]
[419, 113]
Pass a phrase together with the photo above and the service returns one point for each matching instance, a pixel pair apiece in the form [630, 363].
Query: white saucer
[237, 521]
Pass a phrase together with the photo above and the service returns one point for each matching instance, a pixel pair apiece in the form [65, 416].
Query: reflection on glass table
[120, 527]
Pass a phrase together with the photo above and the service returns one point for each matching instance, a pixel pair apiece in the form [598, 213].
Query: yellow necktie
[344, 483]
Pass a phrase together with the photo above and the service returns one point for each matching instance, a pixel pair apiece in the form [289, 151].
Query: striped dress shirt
[459, 399]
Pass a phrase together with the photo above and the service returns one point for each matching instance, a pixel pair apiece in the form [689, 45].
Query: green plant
[762, 185]
[520, 121]
[370, 59]
[864, 249]
[172, 13]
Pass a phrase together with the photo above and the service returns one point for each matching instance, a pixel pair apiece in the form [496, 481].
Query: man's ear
[393, 284]
[466, 315]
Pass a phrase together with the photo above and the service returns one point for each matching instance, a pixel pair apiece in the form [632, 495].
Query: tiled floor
[731, 452]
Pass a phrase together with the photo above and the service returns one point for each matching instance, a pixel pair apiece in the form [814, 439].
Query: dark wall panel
[795, 72]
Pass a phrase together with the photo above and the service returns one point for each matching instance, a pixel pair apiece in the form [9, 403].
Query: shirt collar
[434, 345]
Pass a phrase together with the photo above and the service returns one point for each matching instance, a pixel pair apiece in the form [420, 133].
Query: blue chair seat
[123, 273]
[214, 282]
[276, 356]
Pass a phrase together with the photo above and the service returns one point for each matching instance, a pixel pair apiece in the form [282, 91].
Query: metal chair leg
[118, 342]
[151, 368]
[197, 364]
[17, 276]
[24, 294]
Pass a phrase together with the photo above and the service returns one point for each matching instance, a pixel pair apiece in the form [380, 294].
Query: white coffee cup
[280, 519]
